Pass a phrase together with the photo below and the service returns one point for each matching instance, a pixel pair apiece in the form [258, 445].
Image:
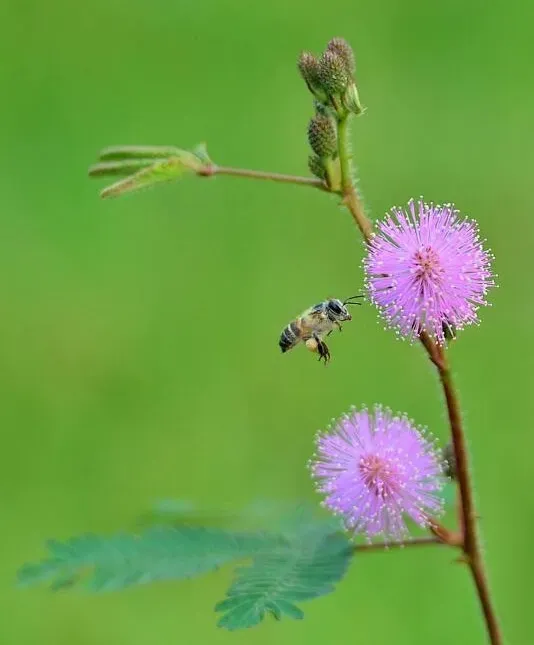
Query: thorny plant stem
[468, 537]
[443, 534]
[209, 171]
[470, 546]
[351, 198]
[468, 516]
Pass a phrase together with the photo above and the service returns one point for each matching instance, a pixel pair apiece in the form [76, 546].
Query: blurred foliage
[139, 336]
[123, 560]
[301, 558]
[317, 557]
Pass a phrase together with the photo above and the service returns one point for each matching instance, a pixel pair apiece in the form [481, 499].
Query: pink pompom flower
[375, 469]
[427, 270]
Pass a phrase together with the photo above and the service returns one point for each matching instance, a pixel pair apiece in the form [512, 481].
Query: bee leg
[339, 326]
[324, 352]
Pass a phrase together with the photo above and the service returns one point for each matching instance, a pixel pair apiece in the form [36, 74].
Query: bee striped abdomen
[289, 337]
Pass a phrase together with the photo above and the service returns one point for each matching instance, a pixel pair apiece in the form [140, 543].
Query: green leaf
[144, 166]
[159, 172]
[307, 566]
[303, 559]
[164, 553]
[117, 153]
[201, 151]
[122, 168]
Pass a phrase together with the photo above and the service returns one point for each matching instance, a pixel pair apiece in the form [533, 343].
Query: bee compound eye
[334, 307]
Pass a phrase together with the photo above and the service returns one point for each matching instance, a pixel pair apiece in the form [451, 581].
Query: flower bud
[333, 75]
[322, 136]
[351, 99]
[342, 48]
[309, 70]
[316, 167]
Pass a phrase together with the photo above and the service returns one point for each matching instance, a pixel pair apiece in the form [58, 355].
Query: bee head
[337, 310]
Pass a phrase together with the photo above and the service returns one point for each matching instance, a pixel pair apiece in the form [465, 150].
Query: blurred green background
[138, 348]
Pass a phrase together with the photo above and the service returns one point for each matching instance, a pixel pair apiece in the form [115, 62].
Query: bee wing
[314, 311]
[318, 315]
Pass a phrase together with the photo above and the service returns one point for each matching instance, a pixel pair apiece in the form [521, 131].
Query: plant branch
[467, 539]
[470, 546]
[385, 546]
[443, 534]
[351, 199]
[468, 515]
[143, 166]
[484, 595]
[211, 170]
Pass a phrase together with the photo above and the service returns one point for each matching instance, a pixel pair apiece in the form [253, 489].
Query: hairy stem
[492, 624]
[385, 546]
[470, 544]
[209, 171]
[467, 538]
[351, 198]
[468, 515]
[445, 535]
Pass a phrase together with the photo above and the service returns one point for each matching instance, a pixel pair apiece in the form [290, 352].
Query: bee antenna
[348, 300]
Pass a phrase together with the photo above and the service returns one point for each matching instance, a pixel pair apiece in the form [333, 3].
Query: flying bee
[317, 322]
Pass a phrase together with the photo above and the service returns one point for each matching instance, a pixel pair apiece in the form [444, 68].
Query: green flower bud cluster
[322, 137]
[316, 167]
[342, 48]
[309, 70]
[331, 77]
